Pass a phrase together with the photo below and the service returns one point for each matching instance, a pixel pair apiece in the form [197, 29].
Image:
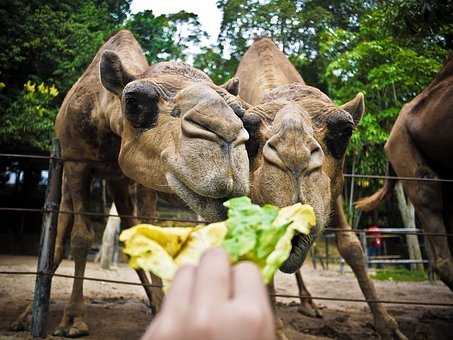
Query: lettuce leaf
[259, 234]
[251, 233]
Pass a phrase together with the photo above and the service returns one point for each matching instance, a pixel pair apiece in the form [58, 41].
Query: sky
[209, 15]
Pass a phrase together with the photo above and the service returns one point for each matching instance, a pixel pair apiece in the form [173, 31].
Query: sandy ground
[120, 311]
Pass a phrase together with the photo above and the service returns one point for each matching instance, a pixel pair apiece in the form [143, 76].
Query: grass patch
[399, 274]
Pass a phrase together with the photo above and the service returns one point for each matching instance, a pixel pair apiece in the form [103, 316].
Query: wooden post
[408, 216]
[326, 244]
[110, 239]
[363, 236]
[41, 298]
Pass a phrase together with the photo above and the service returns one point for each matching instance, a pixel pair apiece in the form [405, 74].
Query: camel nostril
[193, 129]
[316, 157]
[315, 149]
[242, 137]
[271, 154]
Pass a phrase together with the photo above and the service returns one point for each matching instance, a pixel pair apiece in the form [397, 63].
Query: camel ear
[232, 86]
[114, 77]
[356, 107]
[252, 124]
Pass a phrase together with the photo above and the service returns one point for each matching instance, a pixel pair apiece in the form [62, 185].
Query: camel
[165, 126]
[421, 145]
[298, 139]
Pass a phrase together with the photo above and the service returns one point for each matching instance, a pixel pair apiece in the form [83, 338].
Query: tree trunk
[109, 239]
[408, 215]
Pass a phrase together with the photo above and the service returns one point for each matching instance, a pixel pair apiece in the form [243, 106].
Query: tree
[165, 37]
[48, 45]
[43, 50]
[211, 61]
[390, 50]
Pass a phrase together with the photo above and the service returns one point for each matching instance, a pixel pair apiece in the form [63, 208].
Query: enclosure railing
[51, 210]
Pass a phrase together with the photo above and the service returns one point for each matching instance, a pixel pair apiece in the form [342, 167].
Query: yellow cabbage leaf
[162, 250]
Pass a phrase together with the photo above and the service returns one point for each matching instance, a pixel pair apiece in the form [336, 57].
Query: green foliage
[388, 71]
[388, 50]
[211, 61]
[53, 42]
[49, 43]
[30, 117]
[399, 274]
[346, 47]
[166, 37]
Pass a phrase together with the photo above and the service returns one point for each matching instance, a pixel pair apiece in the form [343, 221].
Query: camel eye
[141, 110]
[132, 105]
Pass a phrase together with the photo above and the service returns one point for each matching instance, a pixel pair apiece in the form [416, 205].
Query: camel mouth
[219, 174]
[301, 244]
[210, 208]
[222, 191]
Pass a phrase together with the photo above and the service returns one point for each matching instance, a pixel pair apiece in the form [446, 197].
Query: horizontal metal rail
[402, 178]
[397, 261]
[88, 278]
[398, 231]
[28, 156]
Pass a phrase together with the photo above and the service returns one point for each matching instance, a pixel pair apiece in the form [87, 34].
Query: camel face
[181, 136]
[290, 166]
[207, 163]
[297, 150]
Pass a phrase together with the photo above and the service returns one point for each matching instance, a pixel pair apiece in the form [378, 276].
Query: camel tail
[372, 202]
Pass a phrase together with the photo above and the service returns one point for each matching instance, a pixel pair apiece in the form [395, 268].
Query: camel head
[180, 131]
[296, 149]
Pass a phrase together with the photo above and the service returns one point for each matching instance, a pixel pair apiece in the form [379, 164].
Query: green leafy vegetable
[263, 234]
[250, 229]
[259, 234]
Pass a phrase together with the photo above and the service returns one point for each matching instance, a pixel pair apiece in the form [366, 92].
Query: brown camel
[166, 127]
[298, 138]
[421, 145]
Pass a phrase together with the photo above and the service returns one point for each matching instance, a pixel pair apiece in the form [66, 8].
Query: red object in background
[376, 236]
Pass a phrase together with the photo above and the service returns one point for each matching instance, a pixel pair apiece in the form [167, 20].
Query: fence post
[43, 283]
[365, 248]
[326, 244]
[429, 255]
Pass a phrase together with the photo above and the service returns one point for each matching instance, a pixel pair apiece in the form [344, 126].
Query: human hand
[215, 301]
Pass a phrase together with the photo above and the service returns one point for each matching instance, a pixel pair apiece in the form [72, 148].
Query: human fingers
[167, 323]
[248, 283]
[250, 299]
[178, 298]
[213, 279]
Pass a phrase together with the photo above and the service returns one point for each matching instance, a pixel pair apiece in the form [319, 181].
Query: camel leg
[279, 325]
[350, 249]
[427, 198]
[307, 306]
[428, 203]
[82, 235]
[65, 223]
[23, 322]
[146, 206]
[448, 211]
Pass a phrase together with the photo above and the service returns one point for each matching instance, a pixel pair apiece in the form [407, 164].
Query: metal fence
[51, 210]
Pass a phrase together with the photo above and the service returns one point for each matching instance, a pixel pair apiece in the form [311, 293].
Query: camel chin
[211, 209]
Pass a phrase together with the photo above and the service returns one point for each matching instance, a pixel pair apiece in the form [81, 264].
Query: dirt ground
[120, 312]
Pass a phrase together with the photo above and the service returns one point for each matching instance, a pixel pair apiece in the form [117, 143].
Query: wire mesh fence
[369, 176]
[53, 210]
[289, 296]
